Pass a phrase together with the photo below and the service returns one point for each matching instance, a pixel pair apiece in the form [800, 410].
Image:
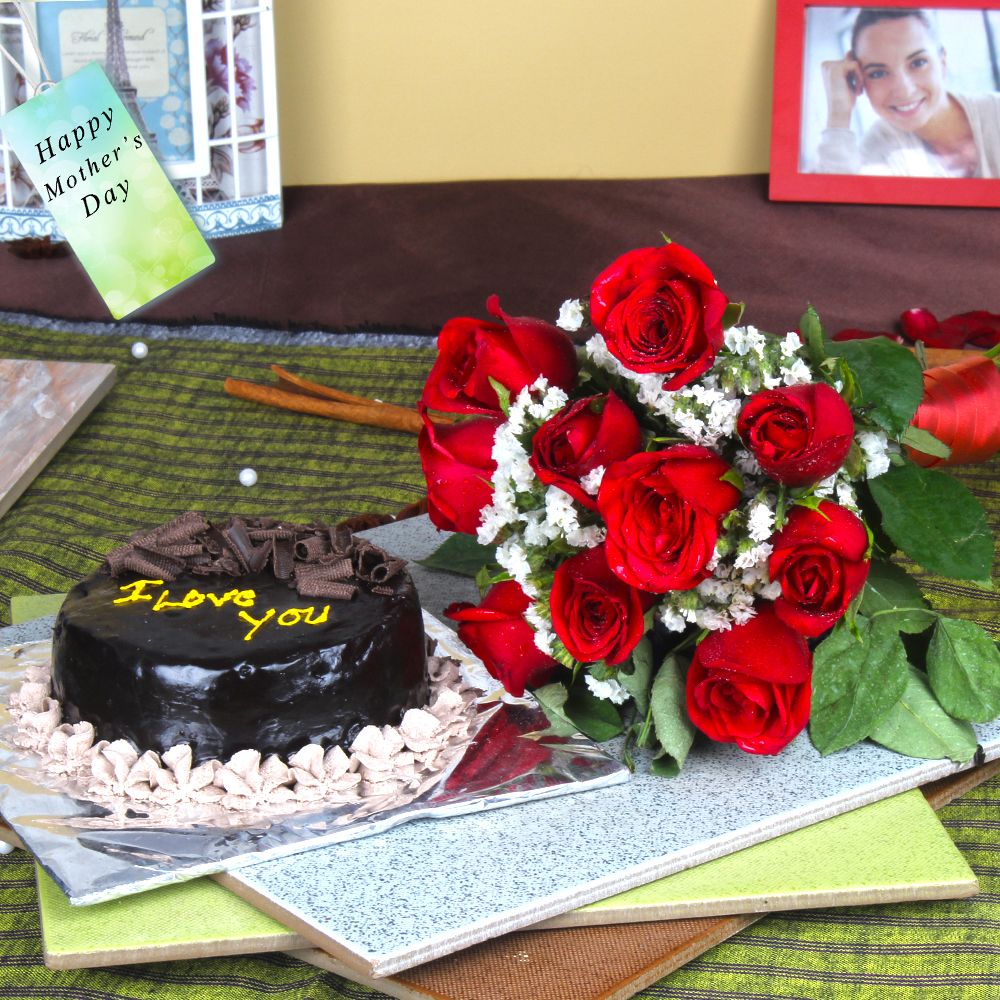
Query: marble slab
[43, 403]
[392, 901]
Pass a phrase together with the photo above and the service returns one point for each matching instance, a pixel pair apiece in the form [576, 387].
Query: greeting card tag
[98, 177]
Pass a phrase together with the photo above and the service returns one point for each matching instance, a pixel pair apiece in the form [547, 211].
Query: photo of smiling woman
[891, 97]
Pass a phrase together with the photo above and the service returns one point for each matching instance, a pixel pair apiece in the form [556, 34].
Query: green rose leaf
[963, 665]
[637, 682]
[855, 682]
[925, 442]
[732, 315]
[809, 500]
[888, 380]
[888, 587]
[594, 717]
[935, 520]
[503, 394]
[732, 477]
[674, 730]
[552, 698]
[919, 727]
[460, 554]
[664, 767]
[811, 330]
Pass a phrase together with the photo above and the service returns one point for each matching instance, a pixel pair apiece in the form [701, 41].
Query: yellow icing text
[194, 597]
[287, 618]
[294, 615]
[163, 601]
[255, 622]
[134, 591]
[241, 598]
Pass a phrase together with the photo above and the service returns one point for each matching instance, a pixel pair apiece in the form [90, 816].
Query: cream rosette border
[383, 768]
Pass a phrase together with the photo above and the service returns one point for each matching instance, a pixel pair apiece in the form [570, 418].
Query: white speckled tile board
[392, 901]
[421, 891]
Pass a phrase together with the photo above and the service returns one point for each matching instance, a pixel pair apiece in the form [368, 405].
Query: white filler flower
[609, 690]
[570, 315]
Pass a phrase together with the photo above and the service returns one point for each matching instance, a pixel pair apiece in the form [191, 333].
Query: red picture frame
[789, 183]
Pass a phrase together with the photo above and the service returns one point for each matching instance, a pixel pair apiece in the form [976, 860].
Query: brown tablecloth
[409, 256]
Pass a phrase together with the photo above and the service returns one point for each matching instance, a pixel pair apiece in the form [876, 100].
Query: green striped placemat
[167, 439]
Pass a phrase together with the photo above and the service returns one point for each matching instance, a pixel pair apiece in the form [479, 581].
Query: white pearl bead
[139, 350]
[248, 477]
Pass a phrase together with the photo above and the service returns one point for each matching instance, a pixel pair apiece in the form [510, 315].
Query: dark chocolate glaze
[189, 676]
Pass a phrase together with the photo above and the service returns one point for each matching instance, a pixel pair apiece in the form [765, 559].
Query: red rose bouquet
[690, 527]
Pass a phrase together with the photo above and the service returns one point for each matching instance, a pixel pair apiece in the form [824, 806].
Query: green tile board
[856, 858]
[26, 607]
[197, 919]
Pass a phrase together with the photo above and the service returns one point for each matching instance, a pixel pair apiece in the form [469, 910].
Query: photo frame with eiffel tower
[149, 49]
[198, 76]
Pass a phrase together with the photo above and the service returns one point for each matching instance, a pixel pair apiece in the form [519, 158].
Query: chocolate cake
[251, 634]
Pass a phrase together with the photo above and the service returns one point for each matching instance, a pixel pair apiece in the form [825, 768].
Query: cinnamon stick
[370, 413]
[295, 383]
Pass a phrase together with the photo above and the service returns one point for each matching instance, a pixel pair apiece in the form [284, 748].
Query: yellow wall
[432, 90]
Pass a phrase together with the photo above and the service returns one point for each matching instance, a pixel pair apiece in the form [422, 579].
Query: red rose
[799, 434]
[659, 310]
[819, 560]
[750, 685]
[597, 616]
[458, 466]
[514, 352]
[587, 433]
[498, 634]
[662, 510]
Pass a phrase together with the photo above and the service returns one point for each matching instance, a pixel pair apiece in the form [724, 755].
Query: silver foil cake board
[95, 858]
[389, 902]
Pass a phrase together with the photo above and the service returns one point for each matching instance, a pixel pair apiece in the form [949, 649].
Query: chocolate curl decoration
[239, 542]
[260, 556]
[179, 530]
[960, 407]
[312, 549]
[326, 580]
[338, 567]
[341, 539]
[317, 560]
[262, 534]
[160, 553]
[151, 565]
[183, 550]
[283, 563]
